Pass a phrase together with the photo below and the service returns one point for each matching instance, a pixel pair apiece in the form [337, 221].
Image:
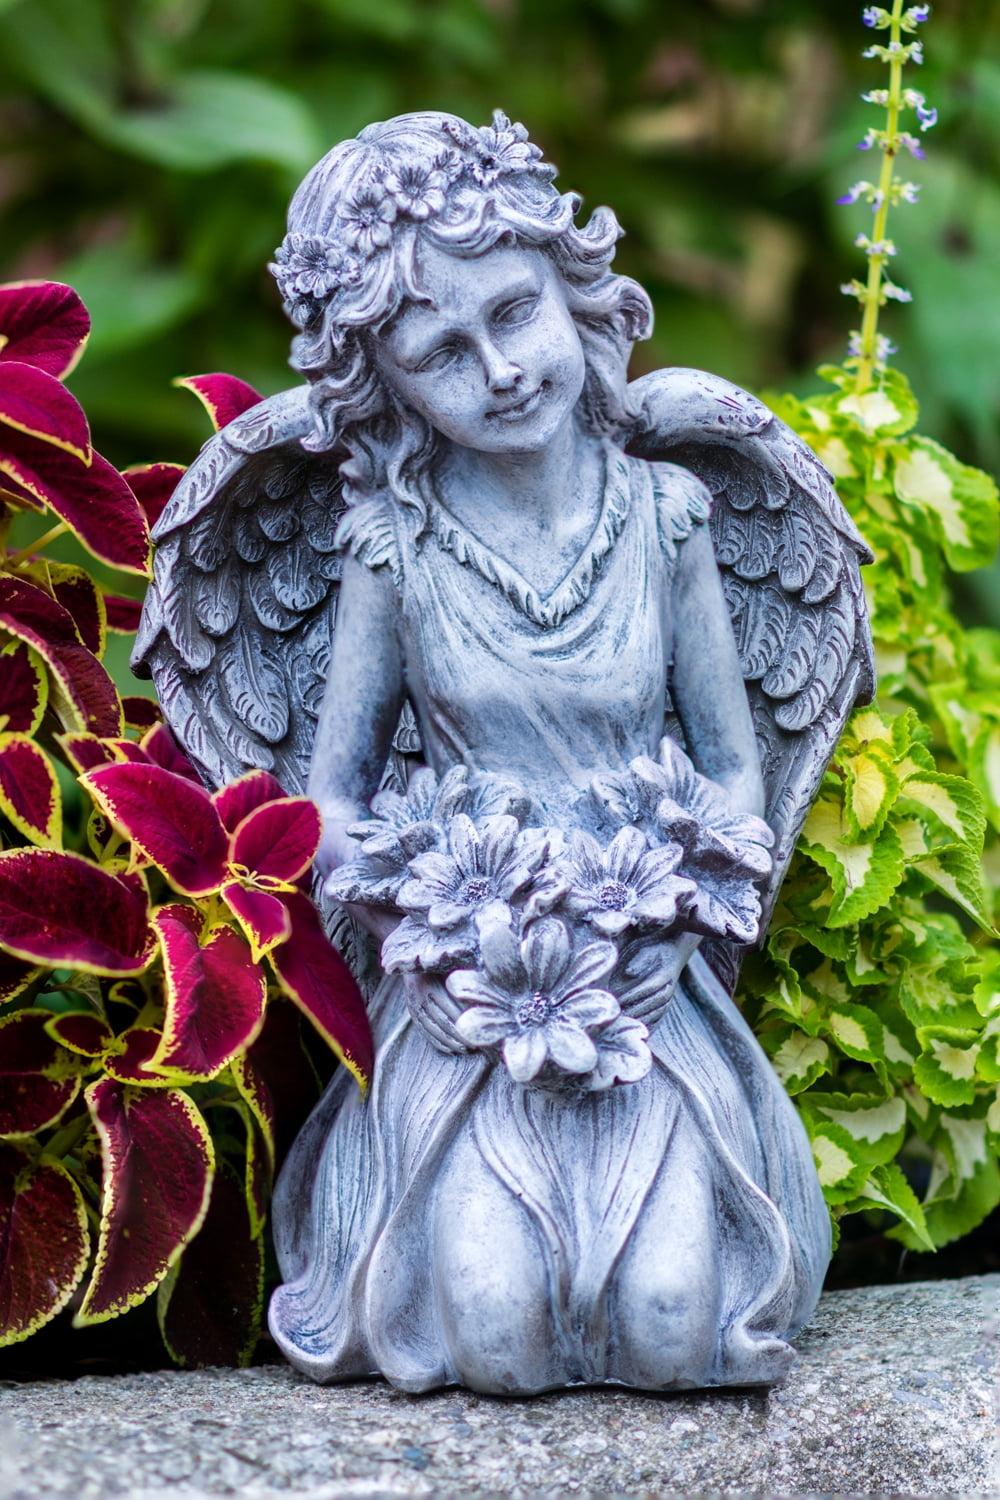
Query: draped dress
[455, 1227]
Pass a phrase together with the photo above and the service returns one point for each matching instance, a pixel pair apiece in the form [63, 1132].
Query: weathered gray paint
[514, 549]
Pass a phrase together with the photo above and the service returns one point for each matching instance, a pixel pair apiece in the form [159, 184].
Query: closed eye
[438, 359]
[518, 311]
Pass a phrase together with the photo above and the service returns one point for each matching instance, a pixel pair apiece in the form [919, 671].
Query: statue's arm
[707, 686]
[360, 709]
[710, 699]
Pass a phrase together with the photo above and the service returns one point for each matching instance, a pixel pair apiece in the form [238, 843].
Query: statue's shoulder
[680, 500]
[369, 531]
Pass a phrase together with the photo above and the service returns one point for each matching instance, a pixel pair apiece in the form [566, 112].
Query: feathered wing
[790, 559]
[239, 617]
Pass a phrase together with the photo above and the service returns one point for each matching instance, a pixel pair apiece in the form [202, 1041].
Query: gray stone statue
[562, 660]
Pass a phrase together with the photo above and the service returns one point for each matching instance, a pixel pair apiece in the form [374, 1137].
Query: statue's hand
[435, 1011]
[652, 967]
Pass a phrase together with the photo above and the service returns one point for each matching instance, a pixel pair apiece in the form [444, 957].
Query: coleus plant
[877, 993]
[151, 935]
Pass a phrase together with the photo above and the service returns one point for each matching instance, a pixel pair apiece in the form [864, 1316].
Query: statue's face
[493, 360]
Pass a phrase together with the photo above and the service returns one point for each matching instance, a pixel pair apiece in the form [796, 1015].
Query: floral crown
[309, 269]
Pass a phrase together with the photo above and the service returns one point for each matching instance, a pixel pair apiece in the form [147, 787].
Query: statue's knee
[667, 1320]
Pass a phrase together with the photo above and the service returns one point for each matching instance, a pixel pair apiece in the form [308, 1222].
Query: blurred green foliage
[148, 149]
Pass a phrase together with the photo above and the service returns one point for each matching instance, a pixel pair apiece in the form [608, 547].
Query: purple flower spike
[874, 16]
[917, 14]
[853, 193]
[909, 192]
[927, 117]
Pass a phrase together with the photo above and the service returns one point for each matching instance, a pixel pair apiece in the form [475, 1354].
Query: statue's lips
[521, 409]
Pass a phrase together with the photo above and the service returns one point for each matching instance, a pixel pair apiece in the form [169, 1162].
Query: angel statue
[562, 660]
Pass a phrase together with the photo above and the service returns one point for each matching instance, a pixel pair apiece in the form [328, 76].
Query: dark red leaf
[152, 485]
[277, 1079]
[85, 751]
[224, 397]
[44, 1244]
[158, 1164]
[81, 1031]
[163, 750]
[15, 976]
[214, 994]
[60, 909]
[140, 712]
[84, 695]
[43, 323]
[77, 592]
[279, 839]
[210, 1305]
[95, 501]
[33, 402]
[129, 1060]
[123, 615]
[29, 790]
[38, 1080]
[234, 802]
[313, 975]
[170, 819]
[24, 689]
[261, 915]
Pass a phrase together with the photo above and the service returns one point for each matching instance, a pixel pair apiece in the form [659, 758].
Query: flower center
[613, 895]
[535, 1010]
[477, 889]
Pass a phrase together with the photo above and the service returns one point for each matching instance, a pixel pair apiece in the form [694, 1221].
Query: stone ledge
[895, 1392]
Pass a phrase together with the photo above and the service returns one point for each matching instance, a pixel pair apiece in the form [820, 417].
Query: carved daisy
[535, 999]
[501, 148]
[626, 885]
[307, 266]
[448, 895]
[367, 223]
[417, 191]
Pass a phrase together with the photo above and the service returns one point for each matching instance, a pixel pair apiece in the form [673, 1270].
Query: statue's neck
[535, 485]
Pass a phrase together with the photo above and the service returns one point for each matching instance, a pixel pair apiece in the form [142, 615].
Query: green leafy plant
[877, 993]
[150, 1065]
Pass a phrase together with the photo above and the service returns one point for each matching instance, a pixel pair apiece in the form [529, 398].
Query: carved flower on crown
[494, 150]
[306, 265]
[417, 191]
[626, 885]
[449, 895]
[536, 999]
[367, 222]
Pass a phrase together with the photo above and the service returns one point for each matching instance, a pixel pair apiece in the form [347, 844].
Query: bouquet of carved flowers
[549, 937]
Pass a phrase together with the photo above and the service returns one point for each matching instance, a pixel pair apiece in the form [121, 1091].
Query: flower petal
[464, 843]
[474, 988]
[590, 1008]
[571, 1048]
[591, 964]
[444, 915]
[485, 1025]
[545, 952]
[525, 1053]
[624, 853]
[501, 955]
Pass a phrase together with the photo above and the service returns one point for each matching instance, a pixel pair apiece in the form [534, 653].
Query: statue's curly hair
[387, 443]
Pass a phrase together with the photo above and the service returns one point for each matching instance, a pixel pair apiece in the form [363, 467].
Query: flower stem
[869, 323]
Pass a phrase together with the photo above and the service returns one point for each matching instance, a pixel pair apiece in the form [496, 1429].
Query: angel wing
[238, 619]
[790, 559]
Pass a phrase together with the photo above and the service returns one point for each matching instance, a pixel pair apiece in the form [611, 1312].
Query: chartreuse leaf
[798, 1059]
[840, 1165]
[870, 789]
[946, 1067]
[863, 875]
[961, 501]
[957, 871]
[889, 409]
[876, 1124]
[44, 1243]
[857, 1031]
[984, 768]
[157, 1168]
[949, 804]
[965, 1180]
[887, 1188]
